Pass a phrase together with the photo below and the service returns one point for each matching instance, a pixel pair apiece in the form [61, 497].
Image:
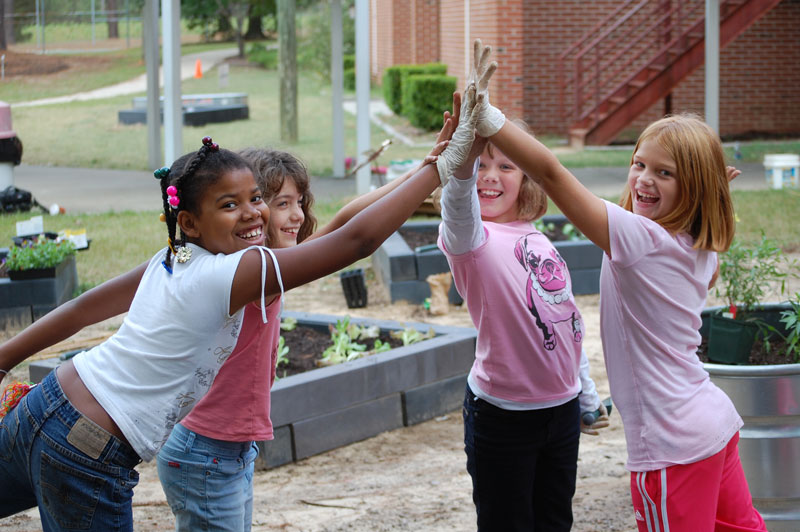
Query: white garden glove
[490, 118]
[458, 149]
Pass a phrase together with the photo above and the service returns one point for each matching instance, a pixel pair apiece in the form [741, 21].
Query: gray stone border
[404, 271]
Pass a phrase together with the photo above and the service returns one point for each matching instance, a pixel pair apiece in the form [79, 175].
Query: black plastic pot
[355, 290]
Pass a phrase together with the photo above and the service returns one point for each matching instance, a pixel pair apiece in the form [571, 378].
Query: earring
[184, 254]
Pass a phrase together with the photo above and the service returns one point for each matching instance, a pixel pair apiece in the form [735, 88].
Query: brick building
[759, 67]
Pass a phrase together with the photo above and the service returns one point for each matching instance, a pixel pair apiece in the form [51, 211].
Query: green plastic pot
[730, 341]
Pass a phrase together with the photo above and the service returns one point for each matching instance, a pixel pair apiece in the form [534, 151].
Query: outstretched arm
[362, 202]
[585, 210]
[362, 235]
[101, 302]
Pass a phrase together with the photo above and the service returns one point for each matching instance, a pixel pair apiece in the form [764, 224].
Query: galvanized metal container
[768, 399]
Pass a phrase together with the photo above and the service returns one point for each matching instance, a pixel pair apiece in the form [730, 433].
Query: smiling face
[231, 215]
[499, 181]
[286, 211]
[653, 181]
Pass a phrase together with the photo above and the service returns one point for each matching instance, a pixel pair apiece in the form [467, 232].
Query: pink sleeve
[631, 236]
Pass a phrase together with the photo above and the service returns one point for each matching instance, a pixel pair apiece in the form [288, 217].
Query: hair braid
[191, 175]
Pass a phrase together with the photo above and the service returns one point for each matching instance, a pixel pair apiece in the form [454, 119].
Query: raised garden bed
[328, 407]
[405, 260]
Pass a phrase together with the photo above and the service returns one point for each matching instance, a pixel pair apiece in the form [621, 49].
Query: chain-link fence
[56, 25]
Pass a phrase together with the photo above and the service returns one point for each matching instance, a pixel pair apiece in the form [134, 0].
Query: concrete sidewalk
[83, 190]
[208, 59]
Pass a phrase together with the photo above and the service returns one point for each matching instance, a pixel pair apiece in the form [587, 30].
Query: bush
[349, 65]
[349, 80]
[394, 76]
[425, 98]
[258, 53]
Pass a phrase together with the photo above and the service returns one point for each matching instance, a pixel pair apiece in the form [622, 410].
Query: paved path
[98, 190]
[208, 60]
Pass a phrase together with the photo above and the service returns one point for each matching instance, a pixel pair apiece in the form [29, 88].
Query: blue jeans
[80, 476]
[523, 465]
[208, 482]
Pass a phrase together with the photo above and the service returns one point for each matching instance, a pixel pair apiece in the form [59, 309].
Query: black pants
[523, 465]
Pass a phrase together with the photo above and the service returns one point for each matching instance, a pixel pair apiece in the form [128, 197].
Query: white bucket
[782, 170]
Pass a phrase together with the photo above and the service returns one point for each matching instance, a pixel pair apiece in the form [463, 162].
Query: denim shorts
[80, 476]
[208, 482]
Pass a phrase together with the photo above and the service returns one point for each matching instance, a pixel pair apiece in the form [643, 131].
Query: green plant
[569, 231]
[410, 335]
[283, 352]
[394, 77]
[746, 273]
[38, 254]
[344, 346]
[288, 324]
[791, 321]
[424, 97]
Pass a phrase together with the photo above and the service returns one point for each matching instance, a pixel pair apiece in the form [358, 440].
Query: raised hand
[490, 118]
[458, 149]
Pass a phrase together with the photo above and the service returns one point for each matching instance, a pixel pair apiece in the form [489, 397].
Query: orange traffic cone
[198, 69]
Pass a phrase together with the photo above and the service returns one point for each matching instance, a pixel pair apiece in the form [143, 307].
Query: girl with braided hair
[71, 444]
[206, 467]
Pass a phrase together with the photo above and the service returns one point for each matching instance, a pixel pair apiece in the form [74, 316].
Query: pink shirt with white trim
[652, 291]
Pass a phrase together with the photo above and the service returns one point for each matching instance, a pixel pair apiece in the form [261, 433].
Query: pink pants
[709, 495]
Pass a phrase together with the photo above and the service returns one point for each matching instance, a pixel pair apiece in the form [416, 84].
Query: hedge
[394, 76]
[426, 97]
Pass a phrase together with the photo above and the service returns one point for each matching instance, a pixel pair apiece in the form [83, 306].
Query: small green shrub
[395, 76]
[38, 254]
[425, 98]
[745, 273]
[258, 53]
[349, 80]
[791, 321]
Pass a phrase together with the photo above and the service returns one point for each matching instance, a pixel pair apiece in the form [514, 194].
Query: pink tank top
[237, 406]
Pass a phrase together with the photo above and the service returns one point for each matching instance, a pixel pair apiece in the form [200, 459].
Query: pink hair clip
[173, 199]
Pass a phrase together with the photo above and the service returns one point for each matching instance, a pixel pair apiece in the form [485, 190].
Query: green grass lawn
[121, 241]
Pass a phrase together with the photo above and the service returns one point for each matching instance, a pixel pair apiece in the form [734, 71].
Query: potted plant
[41, 275]
[37, 258]
[745, 274]
[767, 396]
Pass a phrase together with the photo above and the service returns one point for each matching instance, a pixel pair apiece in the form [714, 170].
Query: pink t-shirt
[519, 295]
[236, 407]
[652, 291]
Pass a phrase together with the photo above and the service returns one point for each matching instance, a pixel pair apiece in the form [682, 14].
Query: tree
[287, 39]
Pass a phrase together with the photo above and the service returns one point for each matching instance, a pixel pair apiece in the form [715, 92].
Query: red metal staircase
[635, 57]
